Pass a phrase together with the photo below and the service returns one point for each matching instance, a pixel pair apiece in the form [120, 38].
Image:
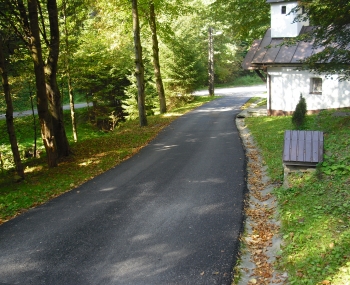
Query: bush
[299, 114]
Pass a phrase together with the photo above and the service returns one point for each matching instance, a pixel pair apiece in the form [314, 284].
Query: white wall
[281, 24]
[288, 83]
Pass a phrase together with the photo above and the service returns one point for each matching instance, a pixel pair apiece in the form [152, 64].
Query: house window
[284, 9]
[316, 86]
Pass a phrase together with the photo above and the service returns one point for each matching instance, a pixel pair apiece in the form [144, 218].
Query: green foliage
[248, 80]
[245, 20]
[96, 43]
[184, 57]
[227, 60]
[331, 33]
[151, 99]
[298, 118]
[315, 210]
[184, 71]
[100, 53]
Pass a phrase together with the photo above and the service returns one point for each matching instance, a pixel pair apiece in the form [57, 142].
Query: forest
[125, 59]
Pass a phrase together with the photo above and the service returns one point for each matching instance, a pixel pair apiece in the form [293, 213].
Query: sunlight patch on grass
[30, 169]
[86, 163]
[172, 114]
[342, 277]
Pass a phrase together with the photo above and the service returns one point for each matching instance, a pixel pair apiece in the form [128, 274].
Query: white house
[285, 79]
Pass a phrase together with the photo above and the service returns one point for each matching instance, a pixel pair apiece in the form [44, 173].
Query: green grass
[263, 102]
[258, 101]
[315, 210]
[95, 152]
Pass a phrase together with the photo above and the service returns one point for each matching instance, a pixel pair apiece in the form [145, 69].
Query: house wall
[288, 83]
[282, 24]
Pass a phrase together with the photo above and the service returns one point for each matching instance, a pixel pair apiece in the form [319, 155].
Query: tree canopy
[330, 36]
[83, 50]
[244, 20]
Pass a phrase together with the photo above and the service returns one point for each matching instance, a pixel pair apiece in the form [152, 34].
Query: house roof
[269, 52]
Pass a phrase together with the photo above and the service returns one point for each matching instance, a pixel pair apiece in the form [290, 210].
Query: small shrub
[299, 114]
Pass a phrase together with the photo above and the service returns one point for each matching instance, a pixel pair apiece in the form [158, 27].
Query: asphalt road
[172, 214]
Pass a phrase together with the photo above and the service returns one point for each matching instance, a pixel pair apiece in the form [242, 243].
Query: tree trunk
[52, 90]
[9, 114]
[71, 104]
[156, 65]
[211, 62]
[139, 70]
[70, 87]
[34, 124]
[34, 45]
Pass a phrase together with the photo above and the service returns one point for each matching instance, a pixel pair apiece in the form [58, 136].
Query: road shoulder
[260, 243]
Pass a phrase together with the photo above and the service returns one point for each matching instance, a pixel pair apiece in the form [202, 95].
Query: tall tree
[156, 64]
[32, 31]
[9, 112]
[19, 17]
[139, 67]
[29, 22]
[68, 71]
[52, 90]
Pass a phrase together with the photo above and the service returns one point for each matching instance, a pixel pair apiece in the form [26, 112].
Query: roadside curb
[260, 242]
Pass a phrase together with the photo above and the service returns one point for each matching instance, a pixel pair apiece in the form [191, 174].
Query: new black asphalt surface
[172, 214]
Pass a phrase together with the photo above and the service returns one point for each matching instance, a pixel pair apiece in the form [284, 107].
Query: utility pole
[211, 62]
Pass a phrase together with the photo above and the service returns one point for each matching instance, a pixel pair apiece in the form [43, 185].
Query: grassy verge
[254, 101]
[94, 153]
[315, 211]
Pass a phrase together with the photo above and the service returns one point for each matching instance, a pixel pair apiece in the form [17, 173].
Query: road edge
[260, 242]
